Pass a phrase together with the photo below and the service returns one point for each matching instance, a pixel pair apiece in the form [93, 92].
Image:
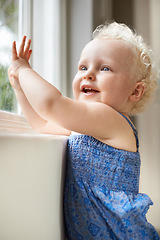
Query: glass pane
[9, 11]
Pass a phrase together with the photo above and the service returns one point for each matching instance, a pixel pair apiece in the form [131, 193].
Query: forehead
[114, 49]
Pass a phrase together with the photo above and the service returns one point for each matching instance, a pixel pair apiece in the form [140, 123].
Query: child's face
[103, 73]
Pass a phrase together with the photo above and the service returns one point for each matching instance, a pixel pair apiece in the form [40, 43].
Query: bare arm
[37, 122]
[95, 119]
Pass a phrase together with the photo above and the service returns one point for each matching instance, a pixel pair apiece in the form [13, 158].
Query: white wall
[31, 187]
[147, 23]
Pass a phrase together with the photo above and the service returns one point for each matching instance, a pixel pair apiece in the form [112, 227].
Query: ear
[138, 91]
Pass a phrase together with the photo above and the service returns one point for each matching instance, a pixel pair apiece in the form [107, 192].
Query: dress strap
[134, 130]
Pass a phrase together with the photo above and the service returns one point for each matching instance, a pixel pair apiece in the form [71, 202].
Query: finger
[21, 49]
[27, 48]
[14, 51]
[29, 54]
[10, 69]
[12, 73]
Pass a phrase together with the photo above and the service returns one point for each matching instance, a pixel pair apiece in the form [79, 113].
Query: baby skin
[102, 87]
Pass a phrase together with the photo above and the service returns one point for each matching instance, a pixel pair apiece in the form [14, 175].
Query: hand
[19, 61]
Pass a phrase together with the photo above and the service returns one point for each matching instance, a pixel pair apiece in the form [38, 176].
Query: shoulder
[124, 134]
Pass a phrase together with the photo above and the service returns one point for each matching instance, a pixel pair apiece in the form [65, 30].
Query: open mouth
[89, 90]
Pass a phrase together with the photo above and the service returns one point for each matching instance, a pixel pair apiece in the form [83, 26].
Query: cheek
[75, 88]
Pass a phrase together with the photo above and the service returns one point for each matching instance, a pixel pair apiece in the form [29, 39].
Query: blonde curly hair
[143, 68]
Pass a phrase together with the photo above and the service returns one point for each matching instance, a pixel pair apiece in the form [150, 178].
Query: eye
[105, 69]
[83, 68]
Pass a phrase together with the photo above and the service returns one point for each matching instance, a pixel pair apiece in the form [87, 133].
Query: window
[13, 18]
[44, 21]
[9, 12]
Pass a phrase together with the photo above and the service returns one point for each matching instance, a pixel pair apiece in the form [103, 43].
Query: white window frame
[47, 31]
[29, 14]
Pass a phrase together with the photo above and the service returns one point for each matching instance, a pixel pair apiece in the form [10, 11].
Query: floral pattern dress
[101, 195]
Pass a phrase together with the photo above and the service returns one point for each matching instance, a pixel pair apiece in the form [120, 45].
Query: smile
[88, 90]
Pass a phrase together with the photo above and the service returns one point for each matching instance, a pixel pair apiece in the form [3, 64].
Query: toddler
[115, 78]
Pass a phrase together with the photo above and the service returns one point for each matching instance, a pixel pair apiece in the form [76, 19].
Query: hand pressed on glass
[20, 60]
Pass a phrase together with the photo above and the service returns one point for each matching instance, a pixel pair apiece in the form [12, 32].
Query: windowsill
[13, 123]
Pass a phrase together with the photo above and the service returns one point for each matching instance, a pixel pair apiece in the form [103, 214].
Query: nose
[89, 76]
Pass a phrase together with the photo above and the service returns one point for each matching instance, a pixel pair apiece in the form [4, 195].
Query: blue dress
[101, 195]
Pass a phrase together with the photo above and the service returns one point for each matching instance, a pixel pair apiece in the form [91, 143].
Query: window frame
[12, 122]
[9, 121]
